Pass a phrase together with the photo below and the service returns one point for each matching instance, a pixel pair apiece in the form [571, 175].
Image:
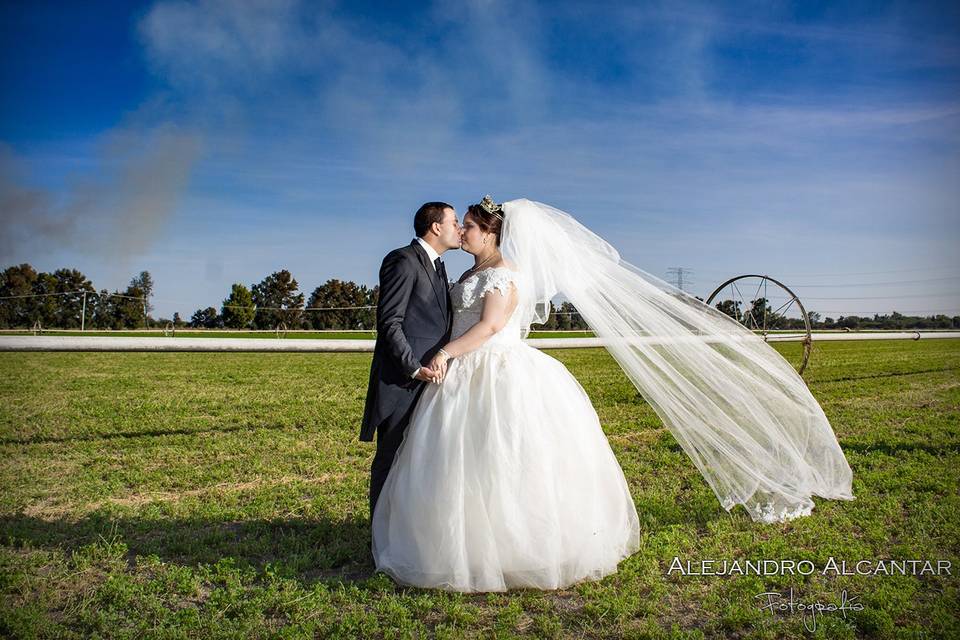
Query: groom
[413, 322]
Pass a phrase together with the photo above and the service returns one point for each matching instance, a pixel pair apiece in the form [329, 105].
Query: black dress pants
[388, 441]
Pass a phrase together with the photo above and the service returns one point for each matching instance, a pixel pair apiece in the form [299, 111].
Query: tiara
[492, 207]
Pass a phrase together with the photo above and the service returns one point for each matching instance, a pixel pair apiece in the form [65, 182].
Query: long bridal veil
[739, 410]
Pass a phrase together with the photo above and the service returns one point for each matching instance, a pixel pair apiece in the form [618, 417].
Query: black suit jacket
[413, 322]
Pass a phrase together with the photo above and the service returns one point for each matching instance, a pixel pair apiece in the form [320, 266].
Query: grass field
[225, 495]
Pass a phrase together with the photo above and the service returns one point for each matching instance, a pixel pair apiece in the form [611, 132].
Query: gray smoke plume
[116, 210]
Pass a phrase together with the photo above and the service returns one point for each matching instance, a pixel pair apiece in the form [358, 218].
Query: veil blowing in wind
[738, 409]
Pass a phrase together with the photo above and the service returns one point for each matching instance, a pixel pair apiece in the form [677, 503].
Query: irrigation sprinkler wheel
[169, 330]
[768, 322]
[282, 330]
[37, 328]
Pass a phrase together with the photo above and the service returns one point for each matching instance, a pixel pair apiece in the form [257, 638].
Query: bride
[505, 479]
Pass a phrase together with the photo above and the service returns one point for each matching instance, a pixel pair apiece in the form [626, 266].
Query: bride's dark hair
[488, 222]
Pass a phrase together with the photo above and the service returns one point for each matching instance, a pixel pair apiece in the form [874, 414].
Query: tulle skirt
[504, 479]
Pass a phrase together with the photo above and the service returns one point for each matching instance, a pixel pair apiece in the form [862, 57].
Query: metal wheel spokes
[772, 311]
[282, 330]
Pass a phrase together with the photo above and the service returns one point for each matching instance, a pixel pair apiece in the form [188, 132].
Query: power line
[868, 273]
[39, 295]
[955, 311]
[256, 308]
[226, 306]
[874, 284]
[68, 293]
[680, 272]
[893, 297]
[851, 273]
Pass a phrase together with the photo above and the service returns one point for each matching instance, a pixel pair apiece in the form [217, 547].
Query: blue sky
[216, 141]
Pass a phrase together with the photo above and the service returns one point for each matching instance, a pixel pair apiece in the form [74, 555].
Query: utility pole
[681, 276]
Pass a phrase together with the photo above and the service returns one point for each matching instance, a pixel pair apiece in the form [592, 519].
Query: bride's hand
[439, 364]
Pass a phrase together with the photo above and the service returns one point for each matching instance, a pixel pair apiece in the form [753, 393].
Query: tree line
[760, 314]
[276, 300]
[56, 300]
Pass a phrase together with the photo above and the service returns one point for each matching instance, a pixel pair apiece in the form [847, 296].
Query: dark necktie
[441, 271]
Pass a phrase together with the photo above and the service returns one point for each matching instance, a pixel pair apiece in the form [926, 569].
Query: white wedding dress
[504, 478]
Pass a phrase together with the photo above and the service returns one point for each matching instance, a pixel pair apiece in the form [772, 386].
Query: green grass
[225, 495]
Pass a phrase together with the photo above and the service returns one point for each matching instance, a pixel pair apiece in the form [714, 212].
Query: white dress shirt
[431, 252]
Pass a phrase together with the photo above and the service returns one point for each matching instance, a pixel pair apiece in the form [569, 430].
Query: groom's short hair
[427, 214]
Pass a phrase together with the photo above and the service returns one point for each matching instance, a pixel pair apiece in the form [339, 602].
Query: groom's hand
[427, 374]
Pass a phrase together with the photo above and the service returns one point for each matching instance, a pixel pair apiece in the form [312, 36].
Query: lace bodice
[467, 300]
